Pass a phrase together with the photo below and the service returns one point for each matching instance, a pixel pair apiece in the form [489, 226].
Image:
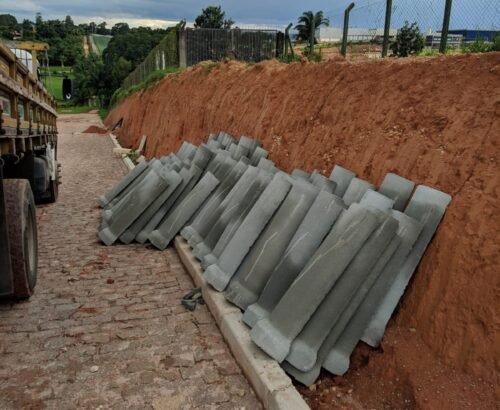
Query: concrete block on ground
[304, 350]
[377, 200]
[240, 213]
[202, 157]
[345, 335]
[187, 151]
[258, 154]
[247, 233]
[342, 177]
[249, 144]
[244, 207]
[174, 180]
[267, 165]
[140, 198]
[310, 234]
[300, 174]
[322, 182]
[143, 235]
[168, 229]
[208, 214]
[120, 202]
[397, 188]
[153, 164]
[255, 270]
[103, 200]
[427, 206]
[241, 190]
[355, 191]
[276, 333]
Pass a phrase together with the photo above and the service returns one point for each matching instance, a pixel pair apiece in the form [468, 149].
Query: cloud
[160, 13]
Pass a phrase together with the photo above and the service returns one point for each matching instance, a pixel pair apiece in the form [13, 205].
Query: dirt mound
[94, 129]
[435, 121]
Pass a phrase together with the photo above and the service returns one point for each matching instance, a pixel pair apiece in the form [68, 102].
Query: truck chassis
[29, 171]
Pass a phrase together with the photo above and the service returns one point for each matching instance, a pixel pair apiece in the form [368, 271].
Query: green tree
[7, 20]
[8, 24]
[121, 69]
[305, 21]
[89, 79]
[120, 28]
[101, 28]
[409, 41]
[27, 30]
[213, 17]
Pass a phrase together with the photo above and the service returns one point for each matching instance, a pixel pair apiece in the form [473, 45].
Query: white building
[334, 35]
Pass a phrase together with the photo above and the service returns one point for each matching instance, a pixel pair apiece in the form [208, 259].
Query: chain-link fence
[469, 20]
[162, 56]
[216, 44]
[186, 47]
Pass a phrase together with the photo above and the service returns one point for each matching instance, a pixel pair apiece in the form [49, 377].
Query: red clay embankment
[435, 121]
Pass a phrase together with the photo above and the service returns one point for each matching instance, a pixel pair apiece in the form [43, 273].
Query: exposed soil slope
[435, 121]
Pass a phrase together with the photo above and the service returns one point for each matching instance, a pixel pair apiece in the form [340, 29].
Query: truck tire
[23, 239]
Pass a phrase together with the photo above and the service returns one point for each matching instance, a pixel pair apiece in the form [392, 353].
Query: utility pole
[446, 26]
[387, 27]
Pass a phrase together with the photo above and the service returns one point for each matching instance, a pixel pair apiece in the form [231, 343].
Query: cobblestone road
[105, 328]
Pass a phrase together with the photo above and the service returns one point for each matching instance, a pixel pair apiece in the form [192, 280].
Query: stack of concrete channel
[315, 263]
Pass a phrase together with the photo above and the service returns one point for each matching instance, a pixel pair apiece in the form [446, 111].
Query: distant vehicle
[67, 88]
[29, 172]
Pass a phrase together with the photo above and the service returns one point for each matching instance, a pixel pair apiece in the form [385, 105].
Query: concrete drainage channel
[315, 264]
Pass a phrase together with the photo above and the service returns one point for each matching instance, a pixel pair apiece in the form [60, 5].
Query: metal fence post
[286, 40]
[387, 27]
[446, 26]
[346, 29]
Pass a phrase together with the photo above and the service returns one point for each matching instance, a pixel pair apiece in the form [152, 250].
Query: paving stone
[67, 247]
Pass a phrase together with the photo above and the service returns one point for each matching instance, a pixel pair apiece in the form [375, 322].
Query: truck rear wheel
[23, 239]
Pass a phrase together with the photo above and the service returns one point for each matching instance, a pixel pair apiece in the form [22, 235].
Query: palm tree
[305, 22]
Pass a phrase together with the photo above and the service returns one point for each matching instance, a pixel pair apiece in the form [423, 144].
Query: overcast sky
[367, 13]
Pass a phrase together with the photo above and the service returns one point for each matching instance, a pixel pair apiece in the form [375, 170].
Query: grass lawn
[70, 109]
[101, 42]
[53, 83]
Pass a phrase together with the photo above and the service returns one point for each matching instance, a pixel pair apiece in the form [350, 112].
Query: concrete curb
[270, 382]
[126, 160]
